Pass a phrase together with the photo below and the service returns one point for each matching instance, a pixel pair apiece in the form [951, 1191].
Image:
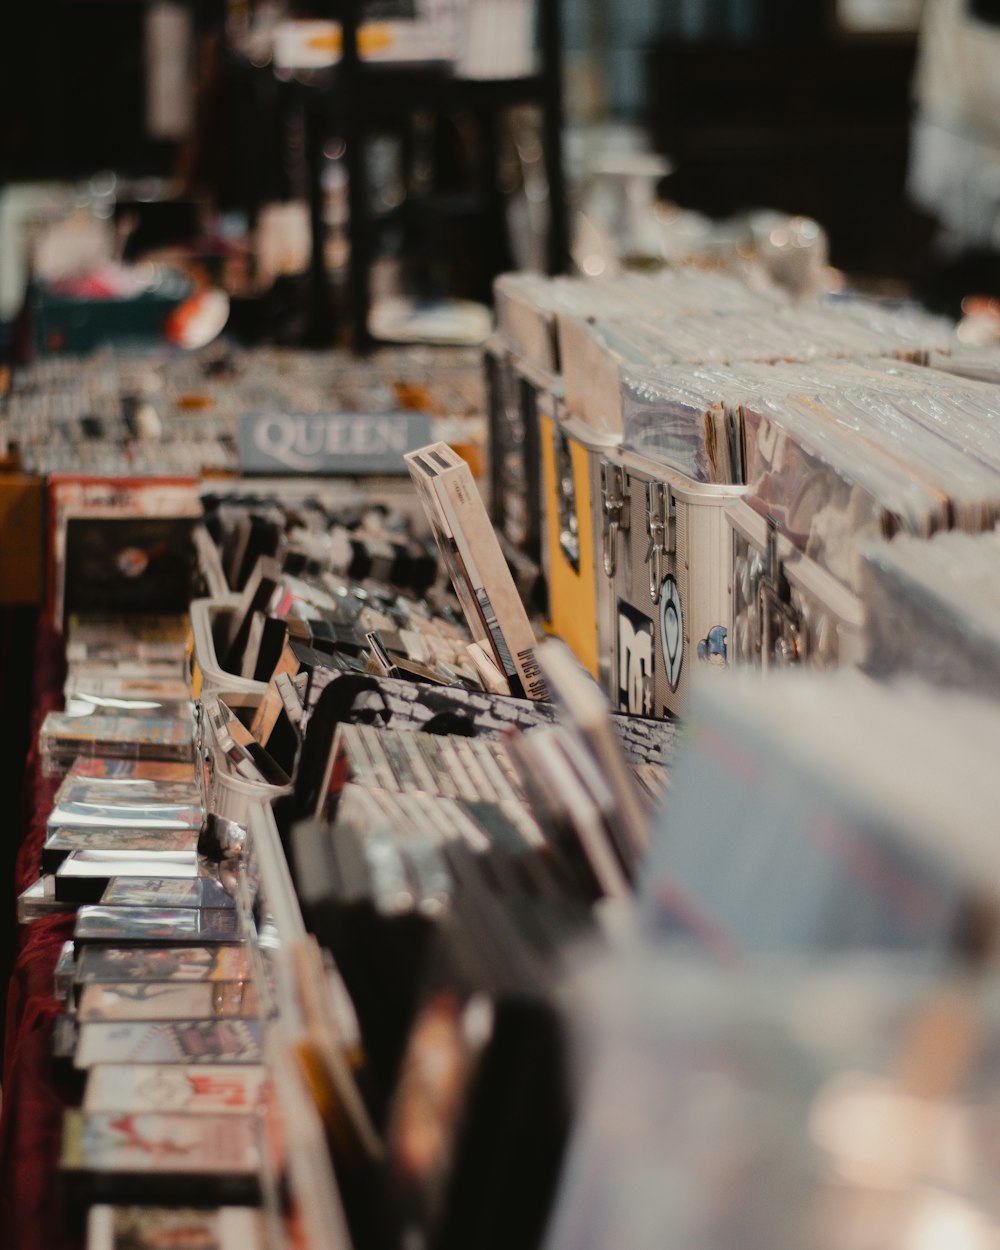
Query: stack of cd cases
[126, 694]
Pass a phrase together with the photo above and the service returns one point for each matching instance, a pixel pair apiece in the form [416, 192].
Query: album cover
[121, 544]
[180, 925]
[265, 642]
[476, 565]
[174, 1228]
[165, 892]
[169, 1041]
[96, 964]
[133, 564]
[194, 1089]
[161, 1156]
[166, 1000]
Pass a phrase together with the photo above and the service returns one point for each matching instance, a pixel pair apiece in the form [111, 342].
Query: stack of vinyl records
[694, 465]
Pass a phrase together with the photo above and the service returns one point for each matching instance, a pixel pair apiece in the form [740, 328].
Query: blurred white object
[169, 70]
[496, 39]
[794, 251]
[200, 319]
[955, 146]
[429, 35]
[622, 194]
[458, 322]
[878, 16]
[22, 205]
[283, 241]
[75, 245]
[301, 44]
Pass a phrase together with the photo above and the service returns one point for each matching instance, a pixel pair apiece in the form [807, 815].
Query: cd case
[171, 1228]
[161, 1157]
[148, 891]
[194, 1089]
[167, 1000]
[142, 925]
[96, 964]
[174, 1041]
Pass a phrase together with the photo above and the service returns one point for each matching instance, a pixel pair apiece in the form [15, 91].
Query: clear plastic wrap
[934, 609]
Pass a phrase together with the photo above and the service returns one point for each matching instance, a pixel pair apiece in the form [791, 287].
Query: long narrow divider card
[476, 564]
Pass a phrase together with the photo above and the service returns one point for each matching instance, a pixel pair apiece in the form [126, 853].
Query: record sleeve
[161, 1156]
[194, 1089]
[169, 1041]
[121, 544]
[476, 565]
[96, 964]
[174, 1228]
[134, 564]
[167, 1000]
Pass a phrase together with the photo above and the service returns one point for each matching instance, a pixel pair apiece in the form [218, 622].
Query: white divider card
[330, 443]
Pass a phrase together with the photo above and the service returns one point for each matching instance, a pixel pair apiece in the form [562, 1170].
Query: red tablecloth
[32, 1216]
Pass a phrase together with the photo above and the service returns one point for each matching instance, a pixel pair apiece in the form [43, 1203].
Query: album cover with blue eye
[133, 564]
